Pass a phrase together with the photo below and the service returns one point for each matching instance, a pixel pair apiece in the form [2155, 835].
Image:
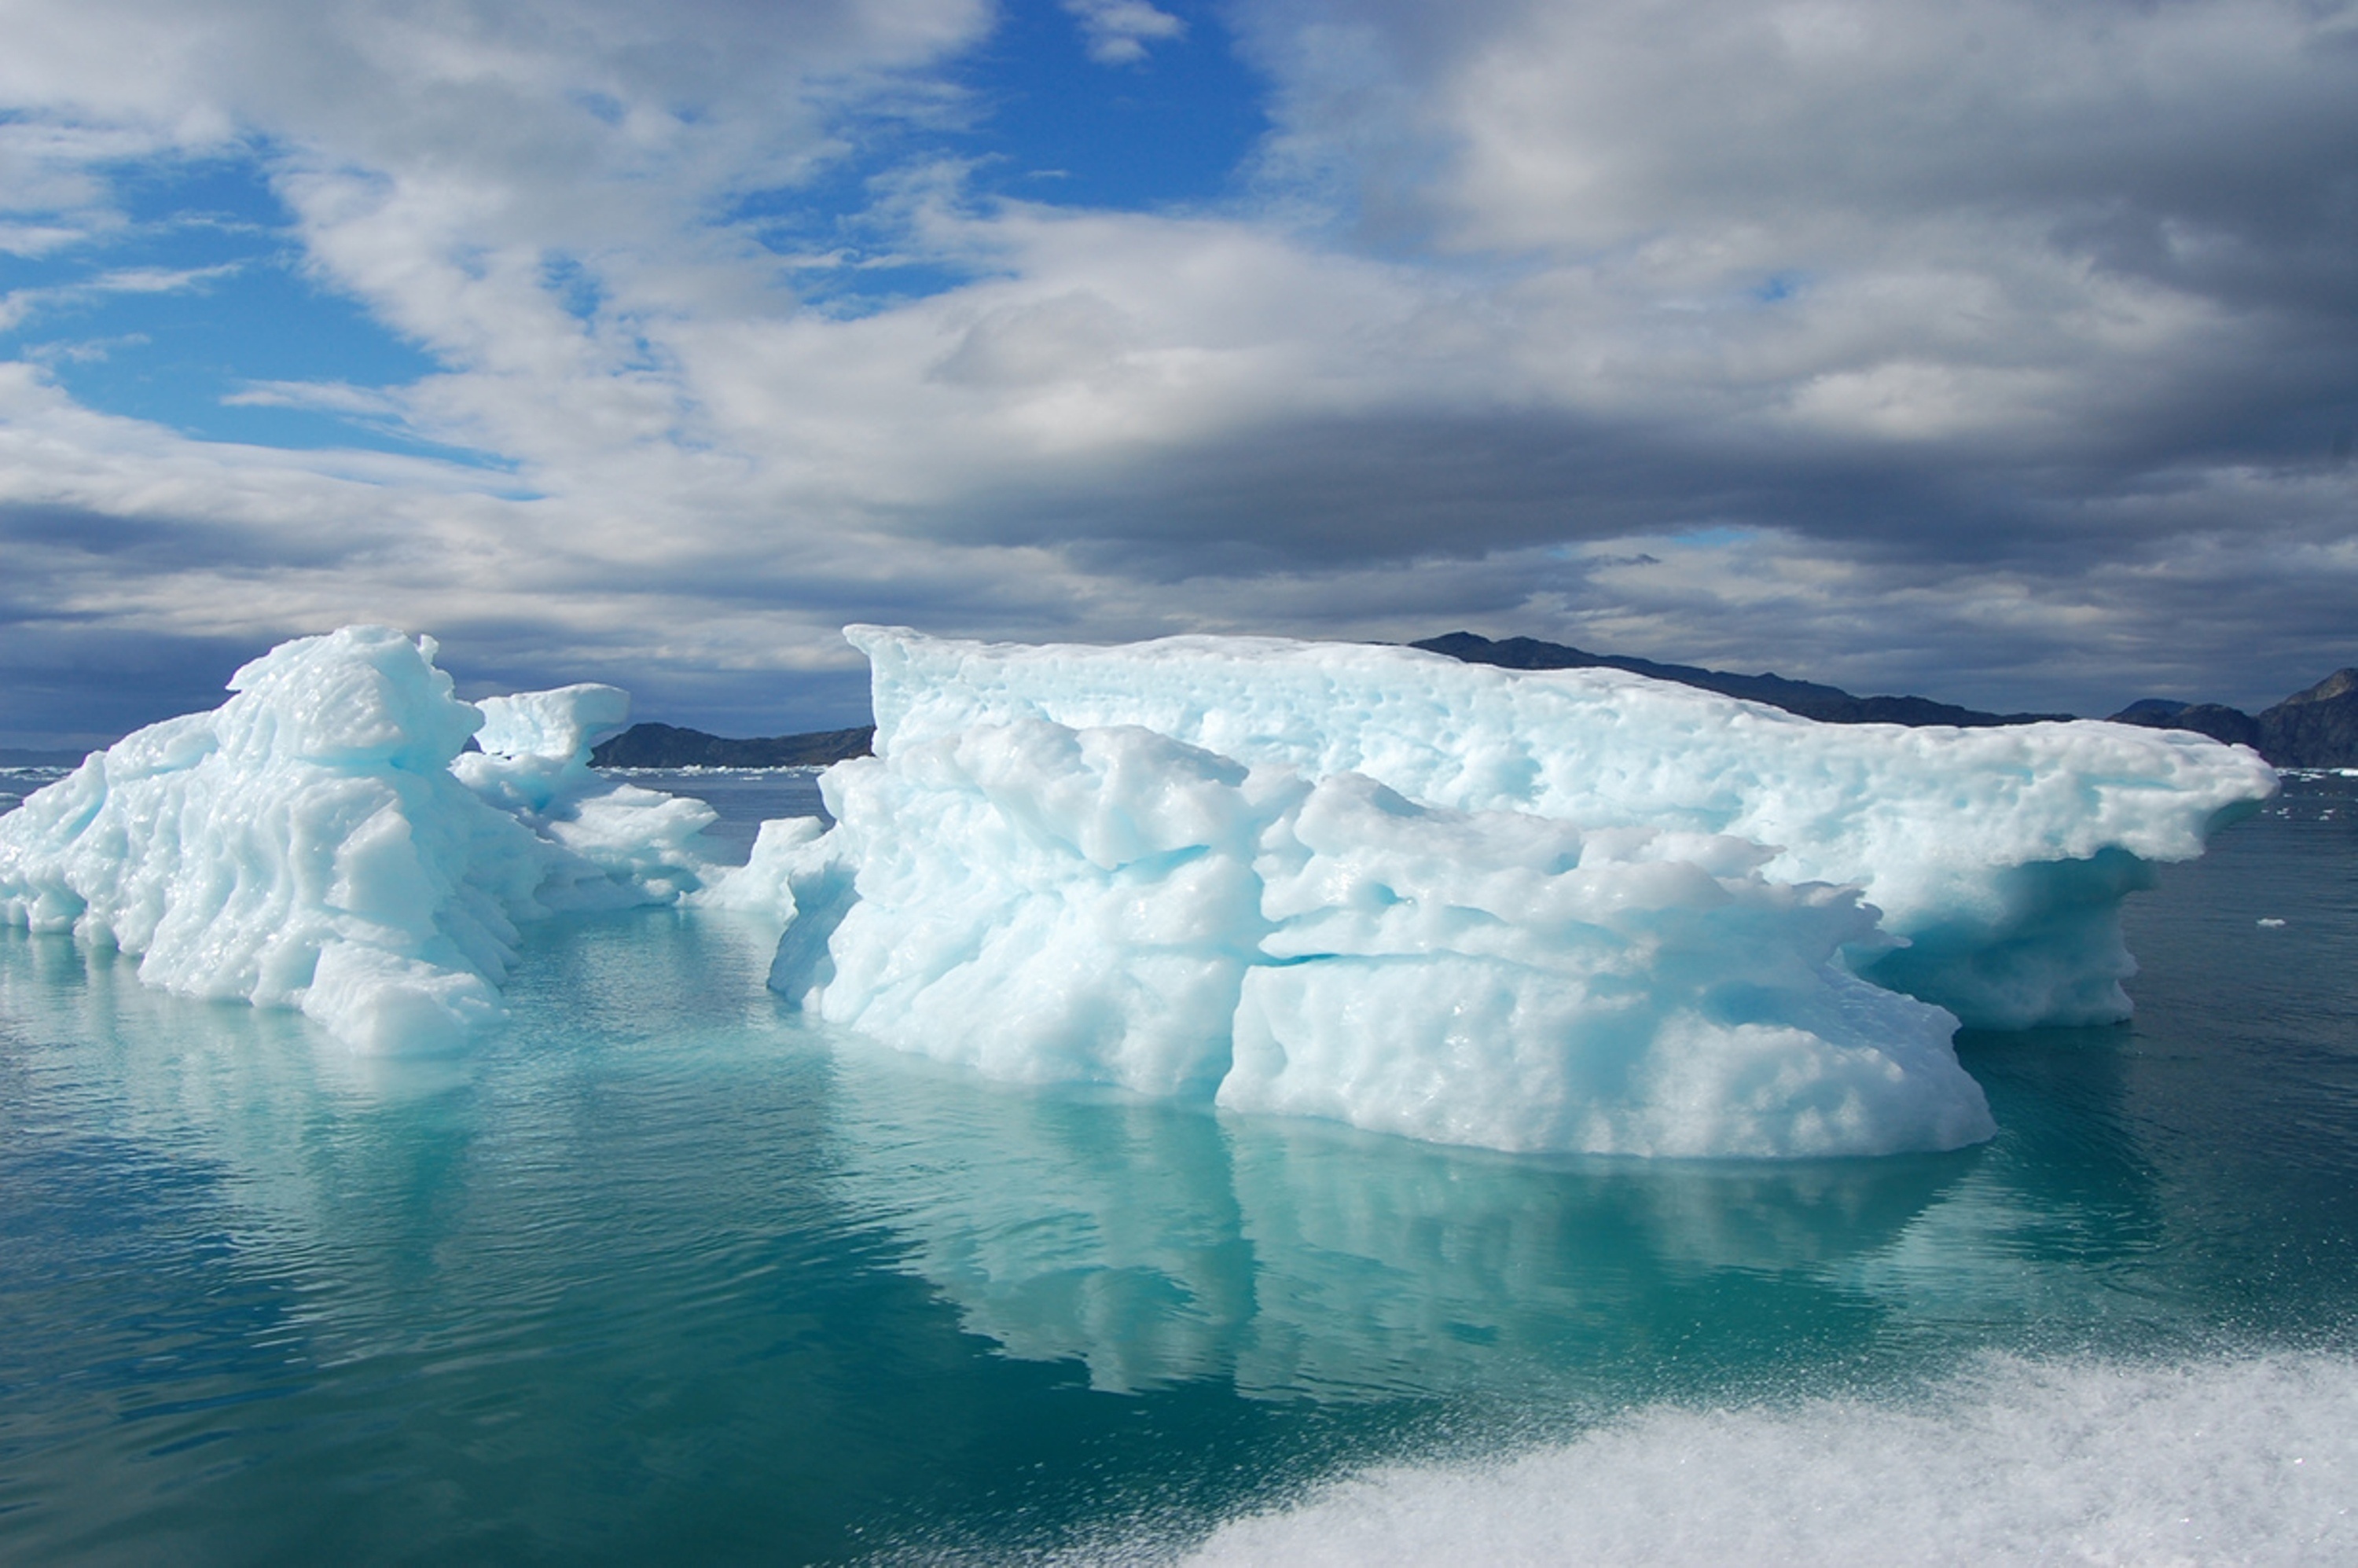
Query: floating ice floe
[310, 844]
[1569, 910]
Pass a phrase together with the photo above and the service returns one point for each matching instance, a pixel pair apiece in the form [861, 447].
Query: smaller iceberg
[1576, 911]
[320, 841]
[624, 845]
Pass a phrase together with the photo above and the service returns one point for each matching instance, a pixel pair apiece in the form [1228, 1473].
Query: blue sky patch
[1170, 129]
[200, 296]
[1174, 128]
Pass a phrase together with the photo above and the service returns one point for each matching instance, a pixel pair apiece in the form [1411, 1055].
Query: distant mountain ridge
[2313, 728]
[1827, 704]
[669, 746]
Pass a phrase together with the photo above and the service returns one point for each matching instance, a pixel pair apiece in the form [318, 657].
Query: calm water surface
[659, 1272]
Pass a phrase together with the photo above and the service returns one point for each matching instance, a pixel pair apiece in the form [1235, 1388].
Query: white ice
[629, 845]
[1570, 910]
[1575, 910]
[309, 843]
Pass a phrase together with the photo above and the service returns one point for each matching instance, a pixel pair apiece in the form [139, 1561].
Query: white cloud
[330, 398]
[1118, 31]
[52, 195]
[157, 280]
[19, 306]
[1916, 305]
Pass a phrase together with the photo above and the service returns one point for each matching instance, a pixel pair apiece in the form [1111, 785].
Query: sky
[2004, 352]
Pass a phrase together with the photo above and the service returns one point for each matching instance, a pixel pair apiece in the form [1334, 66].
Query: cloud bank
[2006, 352]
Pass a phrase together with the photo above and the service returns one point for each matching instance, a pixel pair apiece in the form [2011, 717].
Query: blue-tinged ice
[309, 844]
[1575, 910]
[626, 845]
[1570, 910]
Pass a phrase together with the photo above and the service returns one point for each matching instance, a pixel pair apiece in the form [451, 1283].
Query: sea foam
[2250, 1460]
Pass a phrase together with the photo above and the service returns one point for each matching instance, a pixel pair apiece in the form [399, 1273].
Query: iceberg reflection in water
[1156, 1245]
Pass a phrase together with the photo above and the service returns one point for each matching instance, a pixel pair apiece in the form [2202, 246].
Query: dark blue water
[661, 1273]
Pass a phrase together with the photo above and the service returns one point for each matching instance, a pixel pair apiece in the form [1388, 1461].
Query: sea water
[661, 1272]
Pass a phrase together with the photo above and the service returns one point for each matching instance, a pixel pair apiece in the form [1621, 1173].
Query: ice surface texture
[1570, 910]
[309, 843]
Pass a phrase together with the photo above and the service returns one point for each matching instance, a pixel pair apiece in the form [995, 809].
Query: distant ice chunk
[1577, 910]
[308, 844]
[764, 885]
[559, 726]
[632, 845]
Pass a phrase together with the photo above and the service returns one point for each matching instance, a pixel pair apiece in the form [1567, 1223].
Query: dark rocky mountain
[1829, 704]
[669, 746]
[2317, 727]
[2232, 725]
[2312, 729]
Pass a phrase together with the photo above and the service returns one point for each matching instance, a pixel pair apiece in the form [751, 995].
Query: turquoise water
[659, 1272]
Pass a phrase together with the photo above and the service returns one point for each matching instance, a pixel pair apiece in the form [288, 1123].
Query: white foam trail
[2249, 1460]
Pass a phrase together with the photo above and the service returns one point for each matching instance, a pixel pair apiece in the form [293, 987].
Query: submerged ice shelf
[1570, 910]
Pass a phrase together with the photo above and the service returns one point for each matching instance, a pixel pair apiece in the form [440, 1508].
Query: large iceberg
[320, 841]
[1571, 910]
[1575, 910]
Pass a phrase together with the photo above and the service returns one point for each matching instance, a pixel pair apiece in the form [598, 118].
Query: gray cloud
[55, 541]
[2004, 352]
[75, 685]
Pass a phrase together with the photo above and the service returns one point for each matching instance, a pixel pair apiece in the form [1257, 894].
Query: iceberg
[1574, 909]
[626, 845]
[318, 841]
